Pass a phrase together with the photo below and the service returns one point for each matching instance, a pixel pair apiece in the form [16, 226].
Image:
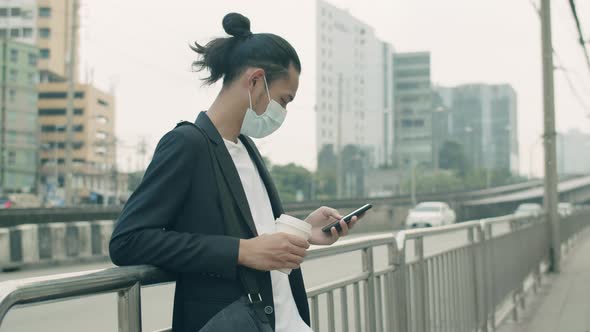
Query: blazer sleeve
[141, 234]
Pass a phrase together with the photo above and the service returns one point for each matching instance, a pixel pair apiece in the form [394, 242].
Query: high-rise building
[353, 91]
[483, 120]
[413, 109]
[93, 146]
[19, 121]
[354, 104]
[46, 24]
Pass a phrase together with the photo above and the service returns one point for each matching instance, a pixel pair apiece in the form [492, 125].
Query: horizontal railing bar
[62, 286]
[410, 234]
[381, 272]
[347, 246]
[324, 288]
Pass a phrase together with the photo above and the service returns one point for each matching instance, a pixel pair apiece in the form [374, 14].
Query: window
[14, 33]
[59, 111]
[102, 102]
[102, 119]
[13, 75]
[78, 128]
[3, 12]
[59, 95]
[45, 12]
[32, 59]
[32, 78]
[14, 55]
[44, 33]
[11, 95]
[3, 33]
[44, 53]
[27, 32]
[77, 145]
[14, 12]
[11, 158]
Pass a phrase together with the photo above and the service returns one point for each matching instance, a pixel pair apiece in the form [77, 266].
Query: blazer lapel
[228, 168]
[275, 201]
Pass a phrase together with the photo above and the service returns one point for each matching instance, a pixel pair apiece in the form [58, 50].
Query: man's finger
[335, 234]
[299, 242]
[352, 222]
[344, 228]
[330, 212]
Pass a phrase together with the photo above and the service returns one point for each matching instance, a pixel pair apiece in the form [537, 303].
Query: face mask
[259, 126]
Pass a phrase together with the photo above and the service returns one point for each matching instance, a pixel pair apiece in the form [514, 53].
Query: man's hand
[269, 252]
[324, 216]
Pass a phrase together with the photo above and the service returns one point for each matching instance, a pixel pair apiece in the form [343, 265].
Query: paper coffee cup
[293, 226]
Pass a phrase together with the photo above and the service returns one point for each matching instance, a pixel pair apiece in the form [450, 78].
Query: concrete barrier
[29, 243]
[101, 235]
[45, 244]
[83, 237]
[32, 244]
[58, 241]
[4, 247]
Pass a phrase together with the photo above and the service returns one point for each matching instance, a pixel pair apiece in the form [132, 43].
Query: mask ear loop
[267, 90]
[250, 99]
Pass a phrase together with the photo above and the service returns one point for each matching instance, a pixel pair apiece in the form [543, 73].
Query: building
[353, 80]
[353, 94]
[483, 120]
[93, 146]
[45, 24]
[413, 109]
[19, 121]
[569, 159]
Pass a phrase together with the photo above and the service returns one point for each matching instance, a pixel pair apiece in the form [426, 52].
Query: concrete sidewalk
[563, 303]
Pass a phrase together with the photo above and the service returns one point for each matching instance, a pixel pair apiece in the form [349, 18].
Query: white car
[430, 214]
[529, 209]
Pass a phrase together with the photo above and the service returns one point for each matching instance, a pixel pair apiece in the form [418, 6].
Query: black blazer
[174, 221]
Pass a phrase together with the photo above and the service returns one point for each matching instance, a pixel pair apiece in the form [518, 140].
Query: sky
[139, 50]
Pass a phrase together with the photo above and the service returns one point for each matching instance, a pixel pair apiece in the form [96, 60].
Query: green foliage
[291, 178]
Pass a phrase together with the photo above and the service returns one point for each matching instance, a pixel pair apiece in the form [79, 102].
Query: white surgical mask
[259, 126]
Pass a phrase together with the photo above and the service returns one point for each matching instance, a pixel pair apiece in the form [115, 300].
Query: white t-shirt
[286, 314]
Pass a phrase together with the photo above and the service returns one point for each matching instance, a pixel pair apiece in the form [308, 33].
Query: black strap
[233, 227]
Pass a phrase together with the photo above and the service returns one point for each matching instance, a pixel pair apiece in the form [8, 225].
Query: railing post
[477, 252]
[129, 309]
[403, 322]
[490, 275]
[370, 314]
[422, 316]
[389, 284]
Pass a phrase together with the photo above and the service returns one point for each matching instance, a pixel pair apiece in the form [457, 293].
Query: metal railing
[463, 277]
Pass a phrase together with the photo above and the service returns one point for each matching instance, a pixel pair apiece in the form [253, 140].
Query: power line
[580, 35]
[566, 72]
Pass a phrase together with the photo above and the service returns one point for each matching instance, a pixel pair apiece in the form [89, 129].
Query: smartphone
[347, 218]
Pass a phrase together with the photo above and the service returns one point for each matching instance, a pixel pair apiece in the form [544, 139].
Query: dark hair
[228, 57]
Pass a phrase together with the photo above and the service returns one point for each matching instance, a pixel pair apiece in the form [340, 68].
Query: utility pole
[551, 195]
[70, 67]
[339, 175]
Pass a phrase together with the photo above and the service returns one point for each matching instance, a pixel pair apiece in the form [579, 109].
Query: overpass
[67, 235]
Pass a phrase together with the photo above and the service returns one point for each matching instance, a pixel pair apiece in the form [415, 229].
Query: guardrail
[17, 216]
[463, 277]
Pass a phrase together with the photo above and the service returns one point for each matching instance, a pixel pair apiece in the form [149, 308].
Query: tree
[290, 179]
[452, 157]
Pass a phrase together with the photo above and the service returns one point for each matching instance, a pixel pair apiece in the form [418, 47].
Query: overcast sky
[139, 48]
